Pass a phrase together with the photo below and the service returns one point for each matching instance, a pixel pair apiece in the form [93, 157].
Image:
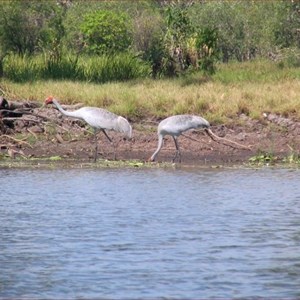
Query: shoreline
[269, 148]
[43, 133]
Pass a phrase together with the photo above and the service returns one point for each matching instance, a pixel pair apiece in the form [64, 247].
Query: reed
[108, 68]
[22, 68]
[65, 69]
[98, 69]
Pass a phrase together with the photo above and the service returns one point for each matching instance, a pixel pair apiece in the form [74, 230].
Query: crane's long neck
[160, 144]
[64, 112]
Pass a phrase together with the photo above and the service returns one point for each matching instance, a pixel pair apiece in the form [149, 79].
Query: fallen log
[3, 103]
[12, 105]
[5, 113]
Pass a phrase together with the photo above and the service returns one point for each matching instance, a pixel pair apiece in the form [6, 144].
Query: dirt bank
[31, 131]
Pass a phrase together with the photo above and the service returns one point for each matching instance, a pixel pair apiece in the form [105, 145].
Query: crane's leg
[96, 145]
[177, 150]
[111, 142]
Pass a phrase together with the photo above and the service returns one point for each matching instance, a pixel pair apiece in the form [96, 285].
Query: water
[132, 233]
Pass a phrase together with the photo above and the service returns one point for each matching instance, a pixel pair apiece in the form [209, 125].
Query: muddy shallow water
[149, 233]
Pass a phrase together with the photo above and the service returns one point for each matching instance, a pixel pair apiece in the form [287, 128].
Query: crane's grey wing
[103, 119]
[98, 117]
[177, 124]
[174, 125]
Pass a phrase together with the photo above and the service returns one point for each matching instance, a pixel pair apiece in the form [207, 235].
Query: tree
[18, 33]
[149, 30]
[22, 23]
[206, 43]
[179, 30]
[287, 28]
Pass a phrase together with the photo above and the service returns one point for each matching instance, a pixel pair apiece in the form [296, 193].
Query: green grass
[251, 88]
[260, 71]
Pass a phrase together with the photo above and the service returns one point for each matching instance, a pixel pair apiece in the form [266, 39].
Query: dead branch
[36, 115]
[30, 131]
[20, 119]
[12, 153]
[17, 140]
[217, 139]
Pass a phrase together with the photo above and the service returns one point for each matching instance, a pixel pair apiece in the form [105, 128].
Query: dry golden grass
[220, 99]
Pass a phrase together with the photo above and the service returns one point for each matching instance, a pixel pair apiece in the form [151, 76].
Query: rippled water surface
[132, 233]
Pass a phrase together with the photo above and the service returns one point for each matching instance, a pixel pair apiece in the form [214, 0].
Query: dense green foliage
[60, 38]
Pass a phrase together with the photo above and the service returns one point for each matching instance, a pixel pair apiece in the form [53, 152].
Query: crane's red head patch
[49, 100]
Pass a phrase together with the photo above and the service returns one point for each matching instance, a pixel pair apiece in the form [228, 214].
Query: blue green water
[136, 234]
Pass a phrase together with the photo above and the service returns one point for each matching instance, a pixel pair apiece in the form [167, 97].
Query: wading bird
[175, 126]
[98, 119]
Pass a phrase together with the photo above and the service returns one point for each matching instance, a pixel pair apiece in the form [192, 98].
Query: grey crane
[98, 119]
[175, 126]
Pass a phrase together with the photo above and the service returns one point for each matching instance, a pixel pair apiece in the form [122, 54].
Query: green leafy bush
[106, 32]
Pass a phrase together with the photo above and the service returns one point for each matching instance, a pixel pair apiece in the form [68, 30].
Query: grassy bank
[251, 88]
